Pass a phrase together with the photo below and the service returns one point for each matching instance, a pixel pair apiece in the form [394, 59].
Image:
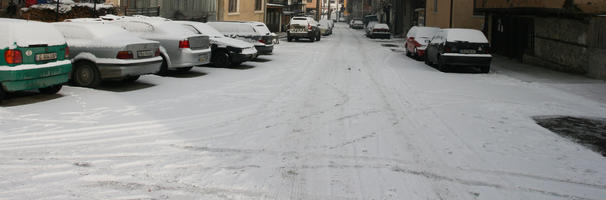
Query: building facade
[453, 14]
[565, 35]
[196, 10]
[241, 10]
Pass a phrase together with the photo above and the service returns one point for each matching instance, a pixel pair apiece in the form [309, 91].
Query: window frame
[236, 7]
[259, 3]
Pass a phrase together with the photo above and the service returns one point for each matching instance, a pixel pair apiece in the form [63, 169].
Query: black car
[459, 47]
[303, 27]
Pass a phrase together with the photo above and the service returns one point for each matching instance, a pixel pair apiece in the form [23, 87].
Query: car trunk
[199, 42]
[142, 50]
[466, 47]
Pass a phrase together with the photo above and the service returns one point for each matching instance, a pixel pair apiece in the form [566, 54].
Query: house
[564, 35]
[241, 10]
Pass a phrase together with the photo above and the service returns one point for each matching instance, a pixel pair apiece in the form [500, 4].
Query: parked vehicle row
[446, 48]
[37, 54]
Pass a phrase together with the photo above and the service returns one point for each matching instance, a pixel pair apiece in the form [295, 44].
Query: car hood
[231, 42]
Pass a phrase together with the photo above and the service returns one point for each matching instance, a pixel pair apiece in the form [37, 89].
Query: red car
[417, 39]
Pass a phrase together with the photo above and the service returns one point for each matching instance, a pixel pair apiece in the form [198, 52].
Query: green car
[34, 56]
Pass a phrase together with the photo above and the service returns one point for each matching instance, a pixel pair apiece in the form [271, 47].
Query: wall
[189, 9]
[462, 14]
[246, 11]
[585, 6]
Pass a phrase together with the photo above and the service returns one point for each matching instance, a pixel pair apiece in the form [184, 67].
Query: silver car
[180, 47]
[246, 32]
[102, 51]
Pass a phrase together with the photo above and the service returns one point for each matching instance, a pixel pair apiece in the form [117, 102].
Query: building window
[310, 1]
[233, 6]
[435, 5]
[258, 5]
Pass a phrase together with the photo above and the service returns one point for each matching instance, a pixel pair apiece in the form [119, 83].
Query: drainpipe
[451, 13]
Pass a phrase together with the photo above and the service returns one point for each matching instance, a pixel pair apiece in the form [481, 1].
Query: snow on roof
[383, 26]
[469, 35]
[425, 32]
[66, 7]
[203, 28]
[24, 33]
[107, 34]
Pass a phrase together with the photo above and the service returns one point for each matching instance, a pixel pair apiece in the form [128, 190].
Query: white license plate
[46, 56]
[468, 51]
[299, 31]
[147, 53]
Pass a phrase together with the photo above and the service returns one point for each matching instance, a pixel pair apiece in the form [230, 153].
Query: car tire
[235, 64]
[86, 74]
[130, 79]
[163, 67]
[289, 39]
[426, 58]
[183, 69]
[221, 59]
[312, 38]
[319, 37]
[485, 69]
[51, 89]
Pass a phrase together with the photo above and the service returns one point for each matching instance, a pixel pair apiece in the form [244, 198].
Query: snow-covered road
[343, 118]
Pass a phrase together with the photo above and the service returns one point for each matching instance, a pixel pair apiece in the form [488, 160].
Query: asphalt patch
[589, 132]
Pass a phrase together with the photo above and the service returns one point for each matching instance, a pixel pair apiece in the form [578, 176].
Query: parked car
[369, 26]
[226, 52]
[246, 32]
[459, 47]
[417, 39]
[303, 27]
[267, 35]
[102, 51]
[379, 31]
[325, 27]
[181, 48]
[370, 18]
[35, 56]
[357, 24]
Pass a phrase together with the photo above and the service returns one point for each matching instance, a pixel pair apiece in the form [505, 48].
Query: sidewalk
[593, 89]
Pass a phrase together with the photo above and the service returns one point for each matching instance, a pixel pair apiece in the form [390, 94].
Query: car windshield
[261, 28]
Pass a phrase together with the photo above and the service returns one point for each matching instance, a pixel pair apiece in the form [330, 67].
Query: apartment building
[241, 10]
[453, 14]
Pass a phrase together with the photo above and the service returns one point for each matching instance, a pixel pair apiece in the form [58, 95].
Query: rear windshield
[26, 33]
[466, 35]
[381, 26]
[208, 30]
[299, 18]
[260, 28]
[358, 22]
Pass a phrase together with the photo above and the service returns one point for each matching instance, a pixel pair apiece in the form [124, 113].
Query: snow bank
[24, 33]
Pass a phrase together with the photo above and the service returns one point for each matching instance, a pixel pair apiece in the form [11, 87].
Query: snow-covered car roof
[203, 28]
[229, 27]
[24, 33]
[469, 35]
[98, 31]
[381, 26]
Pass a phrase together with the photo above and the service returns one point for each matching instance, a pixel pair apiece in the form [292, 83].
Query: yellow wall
[312, 4]
[462, 14]
[246, 11]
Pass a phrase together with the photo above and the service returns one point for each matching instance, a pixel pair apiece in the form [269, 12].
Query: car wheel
[312, 38]
[289, 39]
[184, 69]
[50, 90]
[319, 37]
[235, 64]
[220, 59]
[130, 79]
[86, 75]
[485, 69]
[163, 67]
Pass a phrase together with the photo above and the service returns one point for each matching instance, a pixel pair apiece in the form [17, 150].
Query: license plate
[468, 51]
[147, 53]
[46, 56]
[299, 31]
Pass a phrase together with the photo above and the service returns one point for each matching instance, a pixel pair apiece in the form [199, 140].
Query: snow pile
[67, 6]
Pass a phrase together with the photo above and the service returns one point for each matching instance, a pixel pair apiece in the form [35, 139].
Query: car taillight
[66, 52]
[184, 44]
[157, 52]
[447, 50]
[262, 41]
[13, 56]
[125, 55]
[309, 27]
